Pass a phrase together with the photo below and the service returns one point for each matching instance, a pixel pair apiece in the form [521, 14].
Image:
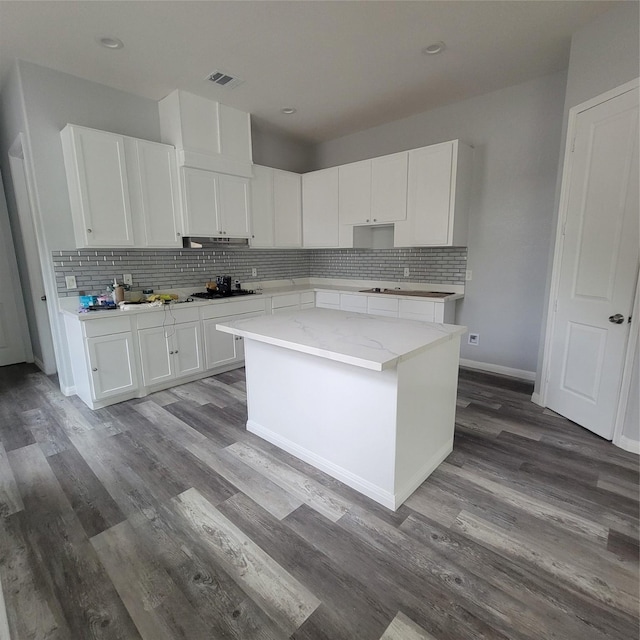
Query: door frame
[559, 246]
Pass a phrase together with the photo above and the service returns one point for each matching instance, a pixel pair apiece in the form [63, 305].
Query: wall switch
[406, 272]
[70, 282]
[254, 272]
[468, 275]
[474, 338]
[127, 278]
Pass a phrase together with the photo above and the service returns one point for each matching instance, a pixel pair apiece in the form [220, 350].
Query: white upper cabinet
[262, 222]
[214, 205]
[437, 197]
[374, 191]
[355, 192]
[389, 188]
[98, 187]
[276, 208]
[123, 191]
[154, 193]
[320, 223]
[287, 207]
[207, 134]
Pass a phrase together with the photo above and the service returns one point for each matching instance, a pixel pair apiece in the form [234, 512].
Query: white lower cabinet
[112, 365]
[379, 306]
[223, 349]
[293, 302]
[328, 299]
[169, 352]
[352, 302]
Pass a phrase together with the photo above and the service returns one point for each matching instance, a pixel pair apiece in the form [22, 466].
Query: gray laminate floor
[163, 518]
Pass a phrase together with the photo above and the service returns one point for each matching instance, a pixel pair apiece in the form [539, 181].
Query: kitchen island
[369, 400]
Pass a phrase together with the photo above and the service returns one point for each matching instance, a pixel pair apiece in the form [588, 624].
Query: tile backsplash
[163, 269]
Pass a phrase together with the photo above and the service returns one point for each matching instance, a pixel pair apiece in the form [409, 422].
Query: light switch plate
[406, 272]
[70, 281]
[254, 272]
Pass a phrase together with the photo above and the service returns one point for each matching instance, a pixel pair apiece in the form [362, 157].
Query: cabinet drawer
[167, 317]
[423, 310]
[286, 300]
[328, 299]
[234, 308]
[106, 326]
[350, 302]
[382, 306]
[308, 297]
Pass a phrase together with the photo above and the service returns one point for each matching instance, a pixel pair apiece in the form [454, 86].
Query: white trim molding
[628, 444]
[496, 368]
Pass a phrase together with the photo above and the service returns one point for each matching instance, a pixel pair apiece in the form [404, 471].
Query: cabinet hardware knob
[170, 353]
[94, 369]
[43, 298]
[178, 234]
[176, 351]
[367, 220]
[89, 230]
[375, 220]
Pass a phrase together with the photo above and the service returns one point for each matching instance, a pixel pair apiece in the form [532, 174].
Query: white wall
[49, 100]
[604, 55]
[275, 149]
[516, 135]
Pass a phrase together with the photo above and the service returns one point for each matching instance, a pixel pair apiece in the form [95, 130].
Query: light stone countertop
[371, 342]
[69, 305]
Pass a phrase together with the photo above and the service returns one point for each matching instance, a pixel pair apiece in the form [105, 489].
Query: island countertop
[368, 341]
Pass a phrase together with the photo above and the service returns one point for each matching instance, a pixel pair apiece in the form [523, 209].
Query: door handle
[618, 318]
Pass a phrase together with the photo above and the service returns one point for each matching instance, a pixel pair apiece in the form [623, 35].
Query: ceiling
[344, 65]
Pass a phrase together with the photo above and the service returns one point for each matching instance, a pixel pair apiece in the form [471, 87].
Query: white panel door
[159, 201]
[113, 369]
[200, 204]
[187, 350]
[234, 206]
[389, 188]
[599, 266]
[156, 355]
[104, 188]
[287, 206]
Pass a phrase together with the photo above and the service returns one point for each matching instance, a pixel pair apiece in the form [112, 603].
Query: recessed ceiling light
[288, 111]
[433, 49]
[111, 43]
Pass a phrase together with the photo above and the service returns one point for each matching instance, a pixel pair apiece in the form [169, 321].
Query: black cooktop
[214, 295]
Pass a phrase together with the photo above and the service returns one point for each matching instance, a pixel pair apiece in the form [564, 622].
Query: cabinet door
[262, 222]
[112, 364]
[200, 202]
[355, 193]
[287, 206]
[99, 190]
[389, 188]
[220, 348]
[159, 196]
[187, 351]
[429, 212]
[320, 226]
[156, 355]
[234, 206]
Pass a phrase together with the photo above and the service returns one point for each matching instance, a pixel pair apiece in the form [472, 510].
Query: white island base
[382, 432]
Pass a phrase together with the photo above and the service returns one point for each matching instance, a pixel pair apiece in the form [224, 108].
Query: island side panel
[338, 417]
[427, 391]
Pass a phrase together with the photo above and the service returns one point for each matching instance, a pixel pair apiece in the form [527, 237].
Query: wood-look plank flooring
[162, 518]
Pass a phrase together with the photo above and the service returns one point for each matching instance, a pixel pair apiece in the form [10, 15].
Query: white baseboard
[68, 391]
[628, 444]
[536, 398]
[496, 368]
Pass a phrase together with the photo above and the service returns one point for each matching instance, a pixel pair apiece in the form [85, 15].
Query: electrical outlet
[254, 272]
[71, 282]
[127, 278]
[474, 338]
[406, 272]
[468, 275]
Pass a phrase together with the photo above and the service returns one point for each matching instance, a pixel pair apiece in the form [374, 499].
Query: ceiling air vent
[224, 79]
